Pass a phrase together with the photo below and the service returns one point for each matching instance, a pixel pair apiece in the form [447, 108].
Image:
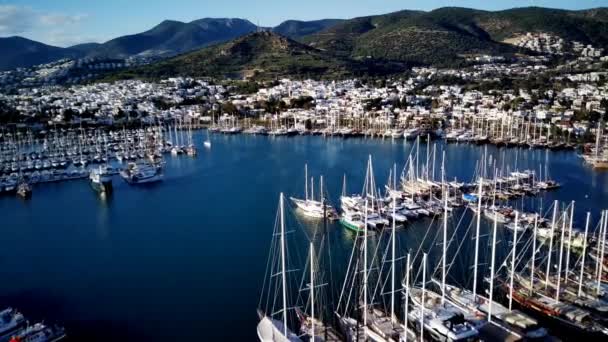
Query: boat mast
[407, 294]
[321, 195]
[580, 280]
[598, 261]
[393, 318]
[283, 274]
[569, 243]
[306, 181]
[365, 269]
[601, 258]
[550, 244]
[312, 290]
[513, 259]
[445, 228]
[533, 254]
[492, 269]
[561, 254]
[477, 239]
[422, 298]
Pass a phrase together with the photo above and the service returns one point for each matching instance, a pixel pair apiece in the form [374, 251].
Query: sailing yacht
[309, 206]
[273, 325]
[443, 321]
[207, 143]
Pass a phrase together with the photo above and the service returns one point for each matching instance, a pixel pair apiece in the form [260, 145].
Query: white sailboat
[271, 329]
[309, 206]
[207, 143]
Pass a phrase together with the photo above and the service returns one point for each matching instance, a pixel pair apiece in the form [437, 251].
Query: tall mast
[492, 269]
[477, 239]
[445, 228]
[393, 318]
[312, 290]
[365, 268]
[422, 298]
[569, 244]
[550, 244]
[321, 195]
[599, 246]
[312, 188]
[513, 259]
[306, 181]
[533, 254]
[283, 270]
[580, 280]
[601, 258]
[561, 254]
[407, 295]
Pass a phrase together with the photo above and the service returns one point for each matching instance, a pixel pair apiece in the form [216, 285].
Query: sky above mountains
[69, 22]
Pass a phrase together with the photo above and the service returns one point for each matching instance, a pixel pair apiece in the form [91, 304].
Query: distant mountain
[21, 52]
[85, 48]
[258, 55]
[174, 37]
[441, 36]
[295, 29]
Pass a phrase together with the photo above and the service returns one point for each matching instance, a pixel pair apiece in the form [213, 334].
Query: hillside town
[526, 100]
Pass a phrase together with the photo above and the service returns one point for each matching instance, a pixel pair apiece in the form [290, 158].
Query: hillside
[296, 29]
[259, 55]
[21, 52]
[174, 37]
[85, 48]
[441, 36]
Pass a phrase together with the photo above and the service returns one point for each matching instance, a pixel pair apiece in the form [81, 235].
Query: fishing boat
[101, 180]
[141, 173]
[10, 321]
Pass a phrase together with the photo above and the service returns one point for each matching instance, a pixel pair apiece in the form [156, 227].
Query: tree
[229, 107]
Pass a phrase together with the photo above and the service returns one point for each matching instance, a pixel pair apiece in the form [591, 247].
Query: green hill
[258, 55]
[439, 37]
[295, 28]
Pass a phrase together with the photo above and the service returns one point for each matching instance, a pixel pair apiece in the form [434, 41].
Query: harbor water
[184, 259]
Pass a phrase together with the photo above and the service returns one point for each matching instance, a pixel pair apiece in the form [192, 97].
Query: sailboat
[312, 323]
[440, 318]
[511, 321]
[273, 325]
[207, 143]
[309, 206]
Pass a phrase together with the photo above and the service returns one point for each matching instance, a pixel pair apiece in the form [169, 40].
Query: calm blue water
[185, 259]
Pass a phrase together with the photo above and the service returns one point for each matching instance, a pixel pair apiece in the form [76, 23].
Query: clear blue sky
[66, 22]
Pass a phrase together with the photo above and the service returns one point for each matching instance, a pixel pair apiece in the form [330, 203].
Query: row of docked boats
[27, 159]
[597, 155]
[15, 328]
[553, 279]
[508, 132]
